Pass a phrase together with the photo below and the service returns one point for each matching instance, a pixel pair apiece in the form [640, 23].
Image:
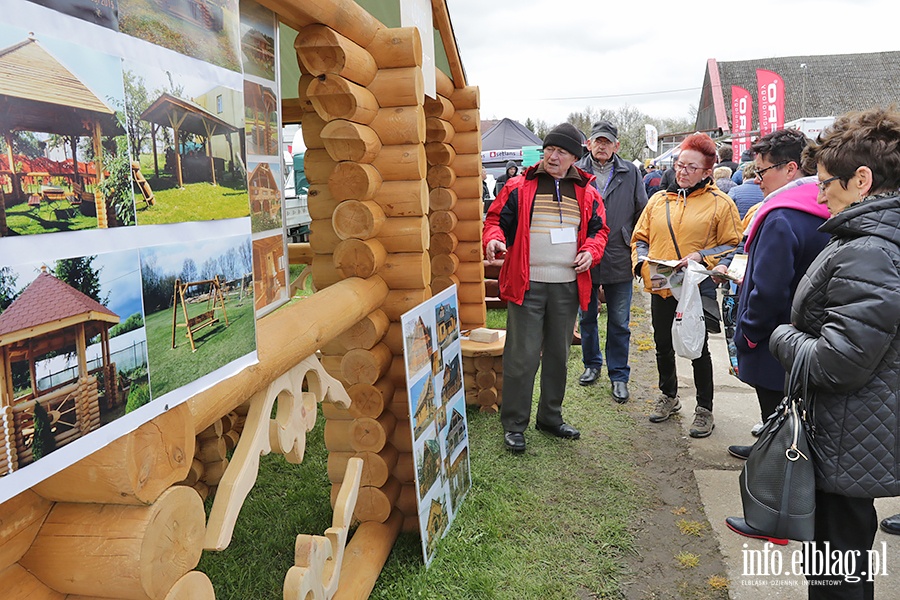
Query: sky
[545, 59]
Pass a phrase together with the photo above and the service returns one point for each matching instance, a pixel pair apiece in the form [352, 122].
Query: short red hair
[702, 143]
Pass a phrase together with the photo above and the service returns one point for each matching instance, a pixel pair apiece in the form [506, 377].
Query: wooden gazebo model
[40, 94]
[50, 315]
[184, 115]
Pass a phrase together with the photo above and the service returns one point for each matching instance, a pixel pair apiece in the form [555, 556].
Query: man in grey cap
[624, 196]
[549, 223]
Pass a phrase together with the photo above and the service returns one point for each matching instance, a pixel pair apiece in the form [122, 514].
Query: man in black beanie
[551, 225]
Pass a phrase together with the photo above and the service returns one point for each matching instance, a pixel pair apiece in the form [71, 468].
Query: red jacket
[509, 220]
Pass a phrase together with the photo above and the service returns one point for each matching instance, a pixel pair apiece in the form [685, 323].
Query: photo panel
[64, 160]
[261, 119]
[264, 188]
[257, 40]
[199, 308]
[187, 136]
[204, 29]
[270, 288]
[72, 330]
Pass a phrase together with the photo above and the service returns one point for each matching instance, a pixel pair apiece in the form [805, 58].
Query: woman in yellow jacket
[693, 220]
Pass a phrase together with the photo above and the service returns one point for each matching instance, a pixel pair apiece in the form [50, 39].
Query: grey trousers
[539, 332]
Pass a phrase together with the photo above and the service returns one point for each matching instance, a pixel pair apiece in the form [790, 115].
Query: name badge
[566, 235]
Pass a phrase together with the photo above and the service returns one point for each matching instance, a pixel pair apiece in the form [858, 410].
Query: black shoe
[564, 431]
[620, 391]
[891, 525]
[742, 452]
[515, 441]
[589, 376]
[740, 527]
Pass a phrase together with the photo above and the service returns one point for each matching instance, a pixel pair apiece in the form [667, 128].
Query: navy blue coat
[783, 245]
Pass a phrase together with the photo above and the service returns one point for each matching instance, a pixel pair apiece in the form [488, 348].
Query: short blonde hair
[722, 173]
[749, 171]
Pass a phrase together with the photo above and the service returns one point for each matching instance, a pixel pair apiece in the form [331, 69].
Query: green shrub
[43, 442]
[137, 397]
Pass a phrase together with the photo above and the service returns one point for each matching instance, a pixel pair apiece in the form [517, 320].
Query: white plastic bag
[689, 328]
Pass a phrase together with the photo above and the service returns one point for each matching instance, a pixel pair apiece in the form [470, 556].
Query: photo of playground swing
[215, 302]
[186, 136]
[199, 314]
[63, 156]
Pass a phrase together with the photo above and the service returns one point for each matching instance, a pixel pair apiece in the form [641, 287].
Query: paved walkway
[736, 411]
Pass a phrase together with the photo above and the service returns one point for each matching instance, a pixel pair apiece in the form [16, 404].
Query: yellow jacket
[706, 221]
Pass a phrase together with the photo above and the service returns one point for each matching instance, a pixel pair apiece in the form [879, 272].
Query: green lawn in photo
[60, 216]
[194, 202]
[216, 344]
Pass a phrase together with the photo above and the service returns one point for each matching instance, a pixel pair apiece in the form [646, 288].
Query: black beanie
[567, 137]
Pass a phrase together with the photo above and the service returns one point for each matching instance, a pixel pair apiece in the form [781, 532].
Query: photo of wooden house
[456, 434]
[459, 478]
[260, 119]
[257, 39]
[425, 410]
[265, 197]
[428, 464]
[51, 316]
[447, 323]
[435, 524]
[43, 97]
[452, 382]
[269, 271]
[418, 348]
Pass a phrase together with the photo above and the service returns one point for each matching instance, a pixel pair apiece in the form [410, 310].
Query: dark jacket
[849, 302]
[624, 199]
[501, 181]
[785, 240]
[509, 220]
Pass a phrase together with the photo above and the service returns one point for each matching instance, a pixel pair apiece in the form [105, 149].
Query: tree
[529, 125]
[188, 271]
[116, 188]
[228, 264]
[137, 100]
[245, 254]
[209, 269]
[80, 274]
[7, 287]
[43, 442]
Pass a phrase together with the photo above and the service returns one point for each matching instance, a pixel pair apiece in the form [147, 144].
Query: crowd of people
[819, 223]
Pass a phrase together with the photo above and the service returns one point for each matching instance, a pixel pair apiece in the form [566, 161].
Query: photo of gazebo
[40, 95]
[257, 40]
[51, 316]
[265, 197]
[261, 119]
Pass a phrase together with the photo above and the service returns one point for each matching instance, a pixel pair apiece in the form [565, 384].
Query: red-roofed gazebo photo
[51, 316]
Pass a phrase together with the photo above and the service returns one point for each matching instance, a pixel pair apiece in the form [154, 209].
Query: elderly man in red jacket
[551, 225]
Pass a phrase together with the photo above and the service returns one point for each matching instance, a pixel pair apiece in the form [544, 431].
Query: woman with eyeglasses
[849, 303]
[691, 220]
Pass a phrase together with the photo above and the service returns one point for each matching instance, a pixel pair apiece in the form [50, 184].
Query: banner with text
[741, 120]
[770, 86]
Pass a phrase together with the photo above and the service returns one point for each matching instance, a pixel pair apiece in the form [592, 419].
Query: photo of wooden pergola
[185, 116]
[39, 94]
[51, 316]
[261, 119]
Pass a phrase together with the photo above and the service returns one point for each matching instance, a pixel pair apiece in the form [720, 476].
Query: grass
[26, 220]
[194, 202]
[553, 523]
[216, 345]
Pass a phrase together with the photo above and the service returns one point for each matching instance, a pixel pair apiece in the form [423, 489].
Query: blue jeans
[618, 331]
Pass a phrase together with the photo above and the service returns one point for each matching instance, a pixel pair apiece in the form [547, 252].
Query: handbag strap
[672, 231]
[798, 382]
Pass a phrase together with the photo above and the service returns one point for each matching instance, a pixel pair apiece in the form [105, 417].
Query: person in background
[551, 224]
[746, 158]
[512, 169]
[748, 193]
[722, 178]
[667, 179]
[485, 193]
[692, 220]
[652, 179]
[624, 197]
[726, 154]
[849, 303]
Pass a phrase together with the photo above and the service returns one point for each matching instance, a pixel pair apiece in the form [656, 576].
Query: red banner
[741, 120]
[770, 86]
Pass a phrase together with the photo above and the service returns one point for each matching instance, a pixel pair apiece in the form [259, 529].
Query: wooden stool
[483, 368]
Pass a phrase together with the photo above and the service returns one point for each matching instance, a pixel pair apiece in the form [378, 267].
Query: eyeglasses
[823, 185]
[761, 172]
[689, 169]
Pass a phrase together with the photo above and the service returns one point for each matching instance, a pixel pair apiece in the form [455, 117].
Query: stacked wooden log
[57, 538]
[483, 373]
[369, 219]
[453, 148]
[210, 459]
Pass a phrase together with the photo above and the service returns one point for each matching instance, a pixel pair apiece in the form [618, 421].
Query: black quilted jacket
[849, 300]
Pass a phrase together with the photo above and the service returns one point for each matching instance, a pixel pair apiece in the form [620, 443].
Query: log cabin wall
[363, 113]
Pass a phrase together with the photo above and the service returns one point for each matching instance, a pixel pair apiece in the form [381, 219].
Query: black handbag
[778, 481]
